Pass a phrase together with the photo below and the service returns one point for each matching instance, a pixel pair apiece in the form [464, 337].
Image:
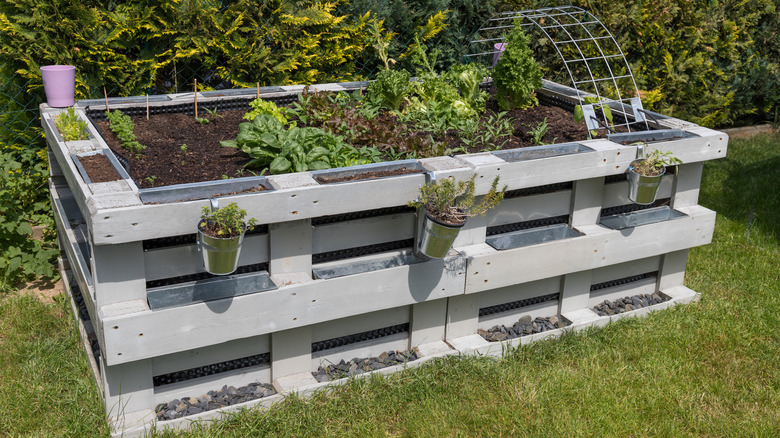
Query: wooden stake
[315, 91]
[196, 98]
[147, 106]
[258, 90]
[106, 96]
[361, 91]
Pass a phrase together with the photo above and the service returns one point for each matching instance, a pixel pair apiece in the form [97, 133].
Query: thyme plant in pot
[644, 175]
[447, 205]
[220, 235]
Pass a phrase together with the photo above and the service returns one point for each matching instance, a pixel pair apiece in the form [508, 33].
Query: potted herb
[447, 205]
[220, 234]
[644, 175]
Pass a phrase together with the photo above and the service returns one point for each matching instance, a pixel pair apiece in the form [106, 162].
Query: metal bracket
[591, 122]
[640, 151]
[639, 111]
[214, 204]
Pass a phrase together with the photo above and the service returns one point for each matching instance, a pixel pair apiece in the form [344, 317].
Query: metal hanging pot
[642, 189]
[436, 237]
[220, 255]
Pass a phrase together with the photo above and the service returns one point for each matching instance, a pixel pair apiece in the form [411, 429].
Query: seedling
[70, 126]
[537, 133]
[654, 163]
[225, 222]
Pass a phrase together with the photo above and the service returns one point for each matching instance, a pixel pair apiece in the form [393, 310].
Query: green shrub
[517, 74]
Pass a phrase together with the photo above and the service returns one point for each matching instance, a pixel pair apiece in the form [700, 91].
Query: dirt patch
[99, 168]
[182, 150]
[44, 290]
[367, 175]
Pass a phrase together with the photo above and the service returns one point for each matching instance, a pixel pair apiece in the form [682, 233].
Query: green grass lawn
[707, 369]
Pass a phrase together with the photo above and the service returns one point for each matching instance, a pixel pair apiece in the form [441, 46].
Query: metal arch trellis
[593, 60]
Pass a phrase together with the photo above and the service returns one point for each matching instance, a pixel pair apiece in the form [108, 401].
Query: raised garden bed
[335, 256]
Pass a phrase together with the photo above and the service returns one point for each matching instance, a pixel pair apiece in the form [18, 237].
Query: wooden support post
[290, 247]
[575, 291]
[291, 352]
[119, 273]
[462, 315]
[586, 201]
[672, 272]
[427, 322]
[686, 185]
[128, 393]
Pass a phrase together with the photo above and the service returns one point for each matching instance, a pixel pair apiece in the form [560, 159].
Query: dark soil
[367, 175]
[181, 150]
[99, 168]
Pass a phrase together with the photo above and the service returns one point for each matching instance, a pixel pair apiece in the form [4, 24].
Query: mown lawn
[707, 369]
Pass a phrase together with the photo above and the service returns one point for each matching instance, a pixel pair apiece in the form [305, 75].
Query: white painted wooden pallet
[102, 229]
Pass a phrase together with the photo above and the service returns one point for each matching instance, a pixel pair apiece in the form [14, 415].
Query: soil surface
[99, 168]
[366, 175]
[183, 150]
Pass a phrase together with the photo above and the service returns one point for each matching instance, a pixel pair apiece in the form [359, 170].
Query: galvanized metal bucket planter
[219, 255]
[436, 237]
[642, 189]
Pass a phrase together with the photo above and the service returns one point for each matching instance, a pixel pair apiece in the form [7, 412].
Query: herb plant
[122, 126]
[517, 74]
[226, 222]
[70, 126]
[654, 163]
[390, 88]
[538, 132]
[452, 201]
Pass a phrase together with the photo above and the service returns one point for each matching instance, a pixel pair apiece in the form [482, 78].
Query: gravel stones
[523, 327]
[359, 366]
[226, 396]
[628, 304]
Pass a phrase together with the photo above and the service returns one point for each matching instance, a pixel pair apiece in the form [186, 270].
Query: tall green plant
[517, 74]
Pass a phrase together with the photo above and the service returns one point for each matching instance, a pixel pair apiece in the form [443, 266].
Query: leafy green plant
[213, 112]
[70, 126]
[122, 125]
[517, 74]
[262, 106]
[579, 115]
[468, 77]
[225, 222]
[390, 88]
[654, 163]
[295, 149]
[453, 201]
[492, 134]
[183, 148]
[151, 179]
[538, 132]
[202, 120]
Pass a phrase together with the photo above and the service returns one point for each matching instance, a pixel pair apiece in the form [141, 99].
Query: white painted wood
[290, 306]
[162, 220]
[597, 248]
[627, 269]
[686, 187]
[128, 390]
[86, 330]
[294, 382]
[607, 159]
[586, 202]
[434, 349]
[682, 295]
[644, 286]
[616, 194]
[176, 261]
[202, 385]
[290, 352]
[474, 231]
[54, 167]
[428, 322]
[519, 292]
[462, 316]
[526, 208]
[710, 146]
[119, 273]
[66, 165]
[467, 343]
[362, 232]
[575, 291]
[222, 352]
[360, 323]
[290, 247]
[672, 271]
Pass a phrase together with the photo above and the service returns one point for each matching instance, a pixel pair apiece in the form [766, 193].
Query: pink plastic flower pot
[59, 82]
[497, 52]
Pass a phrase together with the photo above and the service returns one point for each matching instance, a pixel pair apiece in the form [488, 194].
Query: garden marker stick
[147, 106]
[258, 90]
[105, 95]
[196, 98]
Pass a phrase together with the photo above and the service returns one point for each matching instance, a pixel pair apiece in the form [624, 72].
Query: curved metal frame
[573, 17]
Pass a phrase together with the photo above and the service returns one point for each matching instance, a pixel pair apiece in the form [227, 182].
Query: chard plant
[70, 126]
[453, 201]
[122, 126]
